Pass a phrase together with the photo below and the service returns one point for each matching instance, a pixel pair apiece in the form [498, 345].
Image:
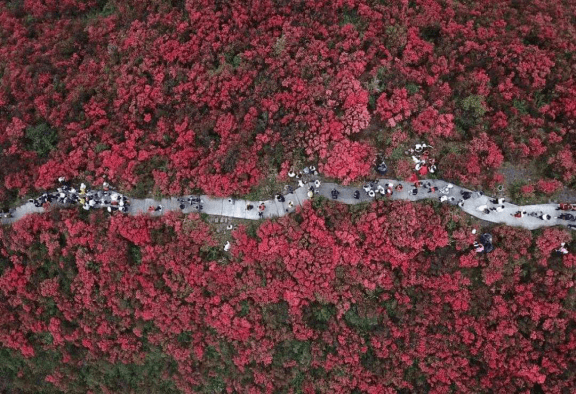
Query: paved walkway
[274, 208]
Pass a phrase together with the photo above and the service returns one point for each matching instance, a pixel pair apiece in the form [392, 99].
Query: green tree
[42, 139]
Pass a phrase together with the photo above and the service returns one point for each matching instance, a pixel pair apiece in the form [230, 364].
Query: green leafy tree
[41, 139]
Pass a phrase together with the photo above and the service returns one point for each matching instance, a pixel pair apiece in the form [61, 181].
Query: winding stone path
[274, 208]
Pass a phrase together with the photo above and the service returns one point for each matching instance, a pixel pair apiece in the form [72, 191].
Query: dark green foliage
[41, 139]
[128, 377]
[318, 315]
[361, 320]
[135, 254]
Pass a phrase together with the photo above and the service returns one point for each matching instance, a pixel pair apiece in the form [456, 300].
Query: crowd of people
[424, 162]
[87, 198]
[67, 195]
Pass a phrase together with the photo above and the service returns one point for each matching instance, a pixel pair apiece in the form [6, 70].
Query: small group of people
[421, 156]
[192, 201]
[373, 188]
[497, 205]
[310, 170]
[566, 207]
[484, 245]
[540, 215]
[88, 199]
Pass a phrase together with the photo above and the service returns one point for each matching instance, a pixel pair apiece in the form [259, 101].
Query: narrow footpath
[274, 208]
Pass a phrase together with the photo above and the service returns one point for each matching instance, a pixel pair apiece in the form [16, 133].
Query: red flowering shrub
[527, 190]
[348, 161]
[207, 94]
[431, 122]
[548, 186]
[306, 295]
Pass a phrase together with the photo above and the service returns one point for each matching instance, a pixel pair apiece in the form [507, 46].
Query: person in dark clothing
[249, 207]
[566, 216]
[466, 195]
[414, 191]
[356, 194]
[182, 206]
[335, 194]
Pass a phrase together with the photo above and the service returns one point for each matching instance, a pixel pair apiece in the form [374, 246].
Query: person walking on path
[519, 214]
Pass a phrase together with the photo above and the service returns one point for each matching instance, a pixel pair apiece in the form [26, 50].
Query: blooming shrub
[209, 93]
[348, 161]
[301, 301]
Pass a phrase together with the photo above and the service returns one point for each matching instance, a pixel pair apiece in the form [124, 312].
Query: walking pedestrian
[356, 195]
[518, 214]
[335, 194]
[249, 207]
